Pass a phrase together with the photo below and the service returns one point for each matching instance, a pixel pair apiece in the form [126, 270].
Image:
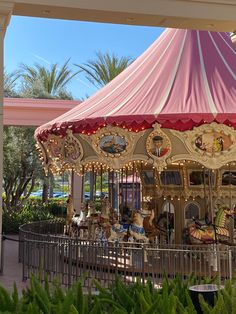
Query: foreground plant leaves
[119, 298]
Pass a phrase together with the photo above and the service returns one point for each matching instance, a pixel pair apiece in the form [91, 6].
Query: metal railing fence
[39, 230]
[57, 256]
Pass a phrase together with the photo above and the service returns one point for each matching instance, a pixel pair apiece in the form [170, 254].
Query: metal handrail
[56, 255]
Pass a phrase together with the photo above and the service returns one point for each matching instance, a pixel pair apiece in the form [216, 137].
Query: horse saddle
[201, 223]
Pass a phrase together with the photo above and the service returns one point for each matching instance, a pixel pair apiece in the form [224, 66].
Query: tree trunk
[45, 190]
[51, 184]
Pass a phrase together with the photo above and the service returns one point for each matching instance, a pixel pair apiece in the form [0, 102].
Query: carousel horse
[133, 229]
[92, 220]
[137, 230]
[78, 222]
[151, 230]
[85, 224]
[91, 210]
[78, 219]
[107, 211]
[105, 220]
[117, 231]
[208, 234]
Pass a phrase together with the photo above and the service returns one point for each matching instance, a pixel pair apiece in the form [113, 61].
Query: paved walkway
[12, 270]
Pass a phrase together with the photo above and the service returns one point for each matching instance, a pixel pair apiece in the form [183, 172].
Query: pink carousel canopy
[184, 79]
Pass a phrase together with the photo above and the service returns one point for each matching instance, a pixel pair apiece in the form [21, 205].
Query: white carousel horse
[84, 225]
[77, 220]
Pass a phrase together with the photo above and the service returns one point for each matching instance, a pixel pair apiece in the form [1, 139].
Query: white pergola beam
[213, 15]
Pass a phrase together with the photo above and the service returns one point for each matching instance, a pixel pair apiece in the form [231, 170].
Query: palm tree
[10, 83]
[104, 68]
[40, 82]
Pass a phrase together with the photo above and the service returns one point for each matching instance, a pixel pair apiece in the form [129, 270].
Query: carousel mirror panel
[170, 177]
[229, 178]
[201, 177]
[148, 177]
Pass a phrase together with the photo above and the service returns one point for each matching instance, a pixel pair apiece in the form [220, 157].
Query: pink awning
[185, 78]
[34, 112]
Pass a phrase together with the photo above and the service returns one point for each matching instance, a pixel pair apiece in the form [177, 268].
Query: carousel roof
[184, 79]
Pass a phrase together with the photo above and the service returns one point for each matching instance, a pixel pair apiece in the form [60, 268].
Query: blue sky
[47, 41]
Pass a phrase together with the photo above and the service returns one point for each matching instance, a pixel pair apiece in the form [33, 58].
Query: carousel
[157, 144]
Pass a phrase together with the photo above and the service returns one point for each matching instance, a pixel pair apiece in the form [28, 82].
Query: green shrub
[118, 298]
[33, 210]
[12, 220]
[54, 206]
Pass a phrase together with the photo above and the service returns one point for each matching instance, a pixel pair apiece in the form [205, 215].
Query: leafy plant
[119, 298]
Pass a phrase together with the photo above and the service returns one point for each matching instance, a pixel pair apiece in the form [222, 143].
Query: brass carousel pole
[137, 195]
[210, 193]
[204, 184]
[167, 212]
[126, 187]
[179, 199]
[121, 207]
[141, 186]
[82, 187]
[230, 186]
[133, 188]
[109, 184]
[155, 188]
[101, 182]
[112, 187]
[231, 224]
[95, 183]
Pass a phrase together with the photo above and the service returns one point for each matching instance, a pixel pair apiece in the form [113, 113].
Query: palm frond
[104, 68]
[44, 81]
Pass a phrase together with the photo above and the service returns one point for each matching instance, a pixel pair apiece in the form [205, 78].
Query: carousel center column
[6, 8]
[77, 191]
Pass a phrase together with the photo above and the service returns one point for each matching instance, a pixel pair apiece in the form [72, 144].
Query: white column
[5, 14]
[77, 191]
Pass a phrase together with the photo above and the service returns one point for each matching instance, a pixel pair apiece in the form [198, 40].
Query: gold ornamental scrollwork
[63, 153]
[212, 145]
[113, 145]
[158, 146]
[53, 147]
[72, 149]
[43, 156]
